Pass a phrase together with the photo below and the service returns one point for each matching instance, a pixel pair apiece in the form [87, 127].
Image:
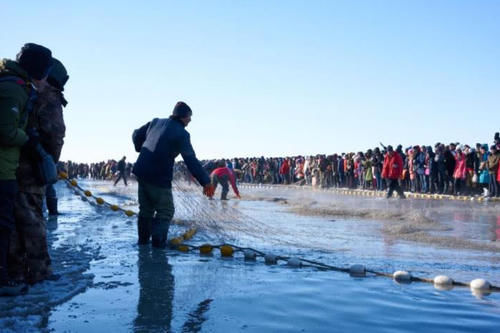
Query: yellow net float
[226, 251]
[63, 175]
[190, 233]
[73, 182]
[176, 241]
[183, 248]
[100, 201]
[129, 213]
[206, 249]
[87, 193]
[114, 208]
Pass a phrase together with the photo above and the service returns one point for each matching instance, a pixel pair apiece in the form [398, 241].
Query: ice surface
[108, 283]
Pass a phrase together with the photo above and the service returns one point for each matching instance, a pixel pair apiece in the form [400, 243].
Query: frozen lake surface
[109, 284]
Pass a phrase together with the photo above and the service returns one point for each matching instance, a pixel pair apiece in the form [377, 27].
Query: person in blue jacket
[159, 142]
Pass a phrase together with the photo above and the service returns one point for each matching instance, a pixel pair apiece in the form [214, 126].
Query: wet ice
[106, 279]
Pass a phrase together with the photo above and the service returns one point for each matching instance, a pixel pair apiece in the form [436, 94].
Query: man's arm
[192, 162]
[139, 136]
[232, 179]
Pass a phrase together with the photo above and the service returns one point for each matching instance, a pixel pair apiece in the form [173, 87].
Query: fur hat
[35, 59]
[58, 76]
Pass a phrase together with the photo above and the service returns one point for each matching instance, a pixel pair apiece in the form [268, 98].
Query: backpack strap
[12, 78]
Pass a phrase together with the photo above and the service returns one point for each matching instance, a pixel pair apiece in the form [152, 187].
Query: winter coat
[121, 166]
[460, 163]
[431, 164]
[484, 176]
[285, 168]
[492, 163]
[393, 166]
[367, 164]
[47, 118]
[159, 142]
[449, 161]
[420, 163]
[13, 98]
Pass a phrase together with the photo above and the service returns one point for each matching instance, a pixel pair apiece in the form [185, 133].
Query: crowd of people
[445, 169]
[110, 170]
[453, 169]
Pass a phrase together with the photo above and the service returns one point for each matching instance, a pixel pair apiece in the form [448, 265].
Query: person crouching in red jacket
[223, 175]
[391, 171]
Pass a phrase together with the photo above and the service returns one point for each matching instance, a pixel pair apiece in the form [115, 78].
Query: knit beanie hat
[58, 76]
[181, 110]
[35, 59]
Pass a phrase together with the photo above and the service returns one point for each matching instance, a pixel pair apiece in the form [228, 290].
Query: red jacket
[498, 178]
[459, 172]
[285, 168]
[393, 166]
[225, 171]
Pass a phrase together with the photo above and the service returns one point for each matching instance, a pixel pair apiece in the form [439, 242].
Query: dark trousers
[8, 191]
[493, 185]
[442, 183]
[224, 182]
[393, 185]
[123, 176]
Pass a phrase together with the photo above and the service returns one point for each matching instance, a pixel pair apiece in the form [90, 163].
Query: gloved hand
[209, 190]
[238, 196]
[33, 138]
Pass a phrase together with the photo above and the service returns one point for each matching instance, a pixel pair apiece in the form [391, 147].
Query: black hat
[35, 59]
[389, 148]
[181, 110]
[58, 76]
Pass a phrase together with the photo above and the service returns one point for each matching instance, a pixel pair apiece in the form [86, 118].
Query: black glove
[33, 138]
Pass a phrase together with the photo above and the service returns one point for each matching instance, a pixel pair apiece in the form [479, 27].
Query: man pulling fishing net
[159, 142]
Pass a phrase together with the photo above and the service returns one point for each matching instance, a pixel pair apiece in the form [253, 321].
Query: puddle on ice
[108, 283]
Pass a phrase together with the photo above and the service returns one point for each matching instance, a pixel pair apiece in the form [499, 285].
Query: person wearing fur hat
[19, 80]
[29, 257]
[159, 142]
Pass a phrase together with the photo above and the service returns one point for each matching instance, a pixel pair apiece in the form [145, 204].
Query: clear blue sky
[270, 77]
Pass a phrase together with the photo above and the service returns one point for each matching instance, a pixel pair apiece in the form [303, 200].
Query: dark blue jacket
[159, 142]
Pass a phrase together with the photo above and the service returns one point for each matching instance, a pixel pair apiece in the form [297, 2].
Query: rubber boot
[159, 232]
[144, 229]
[52, 206]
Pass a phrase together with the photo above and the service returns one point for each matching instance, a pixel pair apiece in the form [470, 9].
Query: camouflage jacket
[47, 118]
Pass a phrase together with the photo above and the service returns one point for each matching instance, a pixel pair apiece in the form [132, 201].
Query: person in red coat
[285, 171]
[224, 175]
[391, 171]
